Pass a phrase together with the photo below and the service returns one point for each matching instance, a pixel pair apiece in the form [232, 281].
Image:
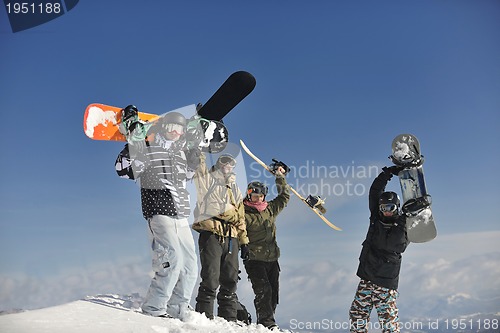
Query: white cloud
[29, 292]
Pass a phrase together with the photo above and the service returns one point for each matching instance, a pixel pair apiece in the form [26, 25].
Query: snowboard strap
[409, 165]
[414, 206]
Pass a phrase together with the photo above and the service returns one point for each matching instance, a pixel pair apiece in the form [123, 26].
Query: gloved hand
[245, 252]
[194, 132]
[279, 168]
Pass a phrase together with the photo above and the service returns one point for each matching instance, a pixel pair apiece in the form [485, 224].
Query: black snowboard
[237, 86]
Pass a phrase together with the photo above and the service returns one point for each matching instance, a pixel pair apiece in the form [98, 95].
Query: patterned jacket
[161, 168]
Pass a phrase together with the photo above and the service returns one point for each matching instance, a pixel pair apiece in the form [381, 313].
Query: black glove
[130, 112]
[245, 252]
[276, 164]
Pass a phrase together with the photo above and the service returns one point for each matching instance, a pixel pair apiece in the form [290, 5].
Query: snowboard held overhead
[110, 123]
[416, 201]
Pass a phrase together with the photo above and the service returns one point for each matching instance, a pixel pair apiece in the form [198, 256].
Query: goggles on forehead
[388, 208]
[174, 128]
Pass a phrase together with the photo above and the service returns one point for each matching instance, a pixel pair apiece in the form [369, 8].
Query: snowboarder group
[229, 222]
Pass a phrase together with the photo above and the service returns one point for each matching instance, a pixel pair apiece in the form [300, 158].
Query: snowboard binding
[413, 207]
[276, 164]
[130, 125]
[210, 135]
[316, 202]
[194, 134]
[408, 162]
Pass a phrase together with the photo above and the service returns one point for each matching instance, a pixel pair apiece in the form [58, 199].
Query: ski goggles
[227, 160]
[179, 129]
[388, 208]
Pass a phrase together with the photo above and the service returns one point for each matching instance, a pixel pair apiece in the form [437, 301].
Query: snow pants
[367, 296]
[219, 270]
[174, 264]
[264, 277]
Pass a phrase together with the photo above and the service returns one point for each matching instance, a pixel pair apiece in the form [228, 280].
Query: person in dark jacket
[380, 259]
[261, 259]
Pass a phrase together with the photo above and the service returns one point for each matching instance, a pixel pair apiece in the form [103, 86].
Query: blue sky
[336, 81]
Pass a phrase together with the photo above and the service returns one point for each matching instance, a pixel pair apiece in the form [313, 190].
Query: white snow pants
[174, 264]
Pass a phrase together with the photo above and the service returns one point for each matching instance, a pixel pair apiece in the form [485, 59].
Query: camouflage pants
[367, 296]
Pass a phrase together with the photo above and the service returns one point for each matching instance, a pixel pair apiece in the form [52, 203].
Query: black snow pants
[219, 269]
[265, 283]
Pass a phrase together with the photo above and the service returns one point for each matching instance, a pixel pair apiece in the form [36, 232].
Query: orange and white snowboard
[101, 122]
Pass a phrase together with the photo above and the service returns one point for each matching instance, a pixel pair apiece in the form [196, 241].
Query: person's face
[174, 131]
[226, 164]
[388, 210]
[256, 197]
[226, 168]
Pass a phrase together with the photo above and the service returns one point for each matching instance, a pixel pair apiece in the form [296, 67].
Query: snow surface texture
[423, 217]
[97, 117]
[113, 314]
[402, 152]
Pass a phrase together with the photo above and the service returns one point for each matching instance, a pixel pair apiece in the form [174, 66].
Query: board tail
[237, 86]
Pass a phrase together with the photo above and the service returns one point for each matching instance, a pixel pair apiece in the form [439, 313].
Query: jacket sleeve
[128, 167]
[376, 189]
[241, 226]
[202, 178]
[280, 202]
[193, 158]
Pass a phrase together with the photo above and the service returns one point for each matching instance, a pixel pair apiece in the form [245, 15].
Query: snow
[423, 217]
[97, 116]
[401, 151]
[110, 314]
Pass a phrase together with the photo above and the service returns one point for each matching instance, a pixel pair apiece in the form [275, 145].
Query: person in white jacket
[161, 164]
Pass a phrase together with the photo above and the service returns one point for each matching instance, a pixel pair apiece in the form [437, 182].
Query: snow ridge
[113, 313]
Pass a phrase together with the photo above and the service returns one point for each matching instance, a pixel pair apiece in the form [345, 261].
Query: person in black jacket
[380, 259]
